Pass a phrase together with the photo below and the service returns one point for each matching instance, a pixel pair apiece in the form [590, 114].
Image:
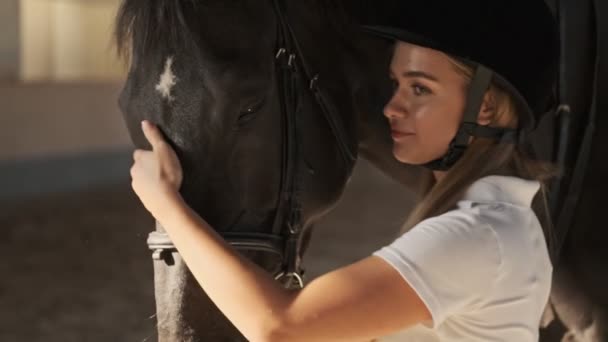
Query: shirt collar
[505, 189]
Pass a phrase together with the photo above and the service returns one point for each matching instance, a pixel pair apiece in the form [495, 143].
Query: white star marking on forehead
[167, 81]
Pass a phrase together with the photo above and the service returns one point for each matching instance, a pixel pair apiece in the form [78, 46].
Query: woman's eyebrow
[421, 74]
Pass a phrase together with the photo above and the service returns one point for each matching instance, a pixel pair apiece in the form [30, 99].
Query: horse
[578, 132]
[268, 104]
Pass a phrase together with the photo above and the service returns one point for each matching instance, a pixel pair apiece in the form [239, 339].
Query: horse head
[264, 103]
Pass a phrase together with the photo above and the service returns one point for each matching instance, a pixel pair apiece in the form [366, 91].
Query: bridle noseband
[285, 239]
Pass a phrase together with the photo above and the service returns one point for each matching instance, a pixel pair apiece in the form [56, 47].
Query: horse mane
[144, 26]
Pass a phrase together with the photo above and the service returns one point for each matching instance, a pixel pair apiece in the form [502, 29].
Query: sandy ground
[76, 267]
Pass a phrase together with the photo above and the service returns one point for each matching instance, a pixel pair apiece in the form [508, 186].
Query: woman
[469, 78]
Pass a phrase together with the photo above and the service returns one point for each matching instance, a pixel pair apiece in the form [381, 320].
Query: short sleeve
[450, 261]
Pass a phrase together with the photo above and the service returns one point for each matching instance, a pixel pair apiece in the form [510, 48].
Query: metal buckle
[159, 243]
[292, 57]
[280, 53]
[157, 254]
[313, 82]
[563, 108]
[290, 276]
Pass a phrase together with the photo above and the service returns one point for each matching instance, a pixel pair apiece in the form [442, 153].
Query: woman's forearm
[251, 299]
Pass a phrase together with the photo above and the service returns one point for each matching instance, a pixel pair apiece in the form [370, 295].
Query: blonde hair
[485, 157]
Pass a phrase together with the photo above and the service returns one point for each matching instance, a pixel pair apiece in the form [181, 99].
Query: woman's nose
[393, 109]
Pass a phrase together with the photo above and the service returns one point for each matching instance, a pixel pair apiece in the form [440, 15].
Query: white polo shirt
[483, 269]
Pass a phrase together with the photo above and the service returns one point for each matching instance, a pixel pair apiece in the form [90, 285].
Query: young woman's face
[426, 108]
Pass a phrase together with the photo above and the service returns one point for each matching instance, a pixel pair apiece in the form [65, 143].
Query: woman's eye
[420, 90]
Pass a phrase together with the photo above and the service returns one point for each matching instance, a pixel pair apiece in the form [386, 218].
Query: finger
[137, 154]
[145, 161]
[142, 156]
[152, 133]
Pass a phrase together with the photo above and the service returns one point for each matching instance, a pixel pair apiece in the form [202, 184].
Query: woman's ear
[486, 112]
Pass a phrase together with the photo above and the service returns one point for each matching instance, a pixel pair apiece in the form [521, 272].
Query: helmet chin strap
[469, 126]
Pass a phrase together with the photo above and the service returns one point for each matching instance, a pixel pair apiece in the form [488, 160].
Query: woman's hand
[157, 174]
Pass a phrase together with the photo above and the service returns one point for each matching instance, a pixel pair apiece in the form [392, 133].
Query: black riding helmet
[512, 42]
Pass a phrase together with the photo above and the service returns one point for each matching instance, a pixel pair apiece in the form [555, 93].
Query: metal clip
[563, 109]
[294, 228]
[157, 255]
[290, 276]
[313, 82]
[294, 221]
[292, 57]
[280, 53]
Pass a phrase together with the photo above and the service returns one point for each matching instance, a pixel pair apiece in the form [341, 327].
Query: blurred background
[75, 265]
[59, 82]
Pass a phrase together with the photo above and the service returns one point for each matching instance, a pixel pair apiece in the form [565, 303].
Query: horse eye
[249, 112]
[253, 107]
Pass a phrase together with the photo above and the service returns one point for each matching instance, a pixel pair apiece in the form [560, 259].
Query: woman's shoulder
[495, 202]
[495, 210]
[456, 235]
[502, 205]
[502, 190]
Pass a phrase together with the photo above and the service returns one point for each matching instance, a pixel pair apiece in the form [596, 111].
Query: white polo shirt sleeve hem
[407, 271]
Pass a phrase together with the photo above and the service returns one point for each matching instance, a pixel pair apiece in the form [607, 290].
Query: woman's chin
[405, 159]
[409, 159]
[401, 154]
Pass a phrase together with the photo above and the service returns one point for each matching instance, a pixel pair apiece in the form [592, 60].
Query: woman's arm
[358, 302]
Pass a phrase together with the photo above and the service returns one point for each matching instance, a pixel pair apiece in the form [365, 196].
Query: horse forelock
[147, 26]
[144, 26]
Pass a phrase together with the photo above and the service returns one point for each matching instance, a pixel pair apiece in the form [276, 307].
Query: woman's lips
[399, 134]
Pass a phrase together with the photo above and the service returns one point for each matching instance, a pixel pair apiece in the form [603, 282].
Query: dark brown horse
[268, 104]
[579, 131]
